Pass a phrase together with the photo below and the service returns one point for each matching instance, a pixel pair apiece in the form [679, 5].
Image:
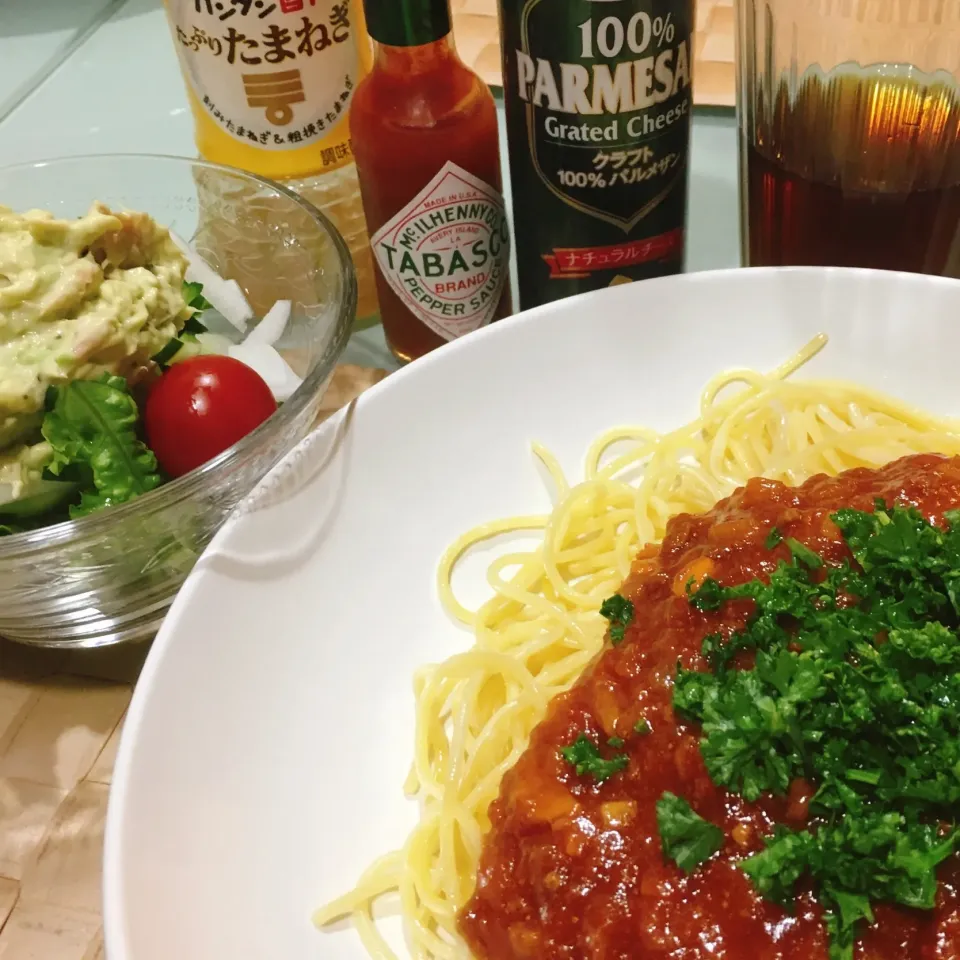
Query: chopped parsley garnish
[585, 757]
[615, 742]
[708, 596]
[687, 839]
[855, 687]
[774, 538]
[619, 611]
[642, 727]
[858, 860]
[803, 554]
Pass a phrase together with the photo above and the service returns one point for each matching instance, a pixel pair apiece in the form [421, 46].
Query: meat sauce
[574, 869]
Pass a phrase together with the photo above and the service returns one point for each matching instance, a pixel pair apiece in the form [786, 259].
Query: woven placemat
[477, 35]
[60, 720]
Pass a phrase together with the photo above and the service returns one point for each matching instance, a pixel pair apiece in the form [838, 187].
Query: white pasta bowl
[261, 765]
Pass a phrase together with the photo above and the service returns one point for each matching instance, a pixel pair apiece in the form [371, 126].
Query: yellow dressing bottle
[270, 84]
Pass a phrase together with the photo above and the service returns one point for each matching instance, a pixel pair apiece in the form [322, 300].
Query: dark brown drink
[861, 169]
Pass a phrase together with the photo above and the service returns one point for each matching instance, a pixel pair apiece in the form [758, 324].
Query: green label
[598, 98]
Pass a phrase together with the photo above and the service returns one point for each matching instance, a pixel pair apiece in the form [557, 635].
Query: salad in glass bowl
[167, 331]
[113, 377]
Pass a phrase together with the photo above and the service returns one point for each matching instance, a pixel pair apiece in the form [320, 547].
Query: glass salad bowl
[110, 576]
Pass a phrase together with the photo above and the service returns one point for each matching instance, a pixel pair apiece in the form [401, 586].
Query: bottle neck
[411, 61]
[407, 23]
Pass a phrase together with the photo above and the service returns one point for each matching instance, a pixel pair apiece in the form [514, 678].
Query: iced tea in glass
[849, 126]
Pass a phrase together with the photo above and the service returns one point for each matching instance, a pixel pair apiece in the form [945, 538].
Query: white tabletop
[73, 75]
[36, 37]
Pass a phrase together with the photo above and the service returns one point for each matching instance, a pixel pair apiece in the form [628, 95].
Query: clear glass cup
[849, 126]
[110, 576]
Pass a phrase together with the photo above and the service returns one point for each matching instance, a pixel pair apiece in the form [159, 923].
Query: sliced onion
[263, 358]
[214, 343]
[244, 310]
[225, 296]
[270, 329]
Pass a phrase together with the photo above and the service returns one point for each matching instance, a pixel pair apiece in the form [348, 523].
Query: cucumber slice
[189, 345]
[164, 356]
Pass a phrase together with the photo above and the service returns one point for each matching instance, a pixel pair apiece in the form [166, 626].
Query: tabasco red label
[598, 98]
[446, 253]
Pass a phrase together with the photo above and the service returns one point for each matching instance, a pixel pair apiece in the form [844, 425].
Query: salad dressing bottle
[270, 84]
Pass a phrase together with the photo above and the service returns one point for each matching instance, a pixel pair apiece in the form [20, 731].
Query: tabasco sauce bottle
[598, 101]
[425, 139]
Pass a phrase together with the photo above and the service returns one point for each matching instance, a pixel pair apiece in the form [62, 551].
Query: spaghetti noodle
[542, 627]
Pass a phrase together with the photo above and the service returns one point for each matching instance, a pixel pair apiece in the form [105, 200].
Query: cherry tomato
[201, 406]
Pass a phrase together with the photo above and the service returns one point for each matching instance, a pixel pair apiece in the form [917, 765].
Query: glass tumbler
[849, 133]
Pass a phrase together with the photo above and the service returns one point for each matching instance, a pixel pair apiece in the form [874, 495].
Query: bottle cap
[407, 23]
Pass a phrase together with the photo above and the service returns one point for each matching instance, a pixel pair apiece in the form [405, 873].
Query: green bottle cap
[407, 23]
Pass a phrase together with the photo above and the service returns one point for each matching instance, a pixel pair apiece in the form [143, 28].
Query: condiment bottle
[598, 102]
[270, 84]
[425, 138]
